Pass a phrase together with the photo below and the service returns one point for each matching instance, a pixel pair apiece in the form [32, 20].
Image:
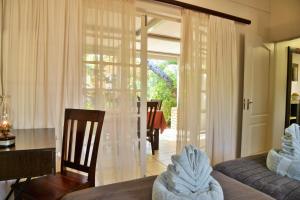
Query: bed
[253, 172]
[141, 189]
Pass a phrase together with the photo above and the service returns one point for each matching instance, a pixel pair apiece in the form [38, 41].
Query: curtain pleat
[191, 119]
[110, 64]
[1, 47]
[208, 86]
[42, 61]
[221, 139]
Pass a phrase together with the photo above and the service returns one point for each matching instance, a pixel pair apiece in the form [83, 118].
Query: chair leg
[152, 149]
[152, 145]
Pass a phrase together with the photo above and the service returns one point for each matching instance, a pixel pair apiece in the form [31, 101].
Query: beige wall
[280, 88]
[284, 20]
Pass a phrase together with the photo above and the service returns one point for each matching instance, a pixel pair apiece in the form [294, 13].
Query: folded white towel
[291, 142]
[160, 191]
[293, 131]
[283, 165]
[187, 178]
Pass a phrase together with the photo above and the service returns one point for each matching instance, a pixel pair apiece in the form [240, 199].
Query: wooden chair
[151, 110]
[138, 119]
[159, 101]
[73, 157]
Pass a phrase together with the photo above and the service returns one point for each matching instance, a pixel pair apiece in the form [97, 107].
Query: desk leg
[156, 139]
[54, 162]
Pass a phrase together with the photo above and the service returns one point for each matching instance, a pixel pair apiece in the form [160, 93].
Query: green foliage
[158, 88]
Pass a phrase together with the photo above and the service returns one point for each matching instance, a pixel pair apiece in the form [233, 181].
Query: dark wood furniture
[156, 139]
[151, 110]
[79, 126]
[33, 155]
[160, 124]
[155, 135]
[156, 130]
[159, 101]
[138, 103]
[295, 112]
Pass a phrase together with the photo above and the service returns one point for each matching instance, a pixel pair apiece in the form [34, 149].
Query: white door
[256, 137]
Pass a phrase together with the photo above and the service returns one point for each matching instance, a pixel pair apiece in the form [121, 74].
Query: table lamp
[6, 138]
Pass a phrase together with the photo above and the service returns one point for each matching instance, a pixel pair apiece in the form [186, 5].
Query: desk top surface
[32, 139]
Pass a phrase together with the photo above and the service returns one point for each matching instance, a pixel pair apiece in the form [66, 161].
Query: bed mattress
[141, 189]
[253, 172]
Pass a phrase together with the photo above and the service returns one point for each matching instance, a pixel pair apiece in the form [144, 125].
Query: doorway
[158, 46]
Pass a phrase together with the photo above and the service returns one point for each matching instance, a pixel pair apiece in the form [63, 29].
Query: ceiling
[163, 37]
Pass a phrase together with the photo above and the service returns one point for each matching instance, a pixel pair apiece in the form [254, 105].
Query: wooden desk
[33, 155]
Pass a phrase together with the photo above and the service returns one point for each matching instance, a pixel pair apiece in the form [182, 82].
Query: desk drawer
[28, 163]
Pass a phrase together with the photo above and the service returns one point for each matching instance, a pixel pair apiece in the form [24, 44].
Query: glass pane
[90, 76]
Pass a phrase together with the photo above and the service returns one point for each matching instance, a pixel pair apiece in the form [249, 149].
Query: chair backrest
[151, 109]
[159, 101]
[81, 138]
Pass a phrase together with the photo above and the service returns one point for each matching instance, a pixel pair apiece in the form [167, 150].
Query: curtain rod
[205, 10]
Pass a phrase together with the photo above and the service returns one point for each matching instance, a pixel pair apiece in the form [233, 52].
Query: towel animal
[286, 161]
[188, 178]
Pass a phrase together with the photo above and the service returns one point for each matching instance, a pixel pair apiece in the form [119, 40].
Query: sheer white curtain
[1, 30]
[221, 143]
[112, 83]
[191, 120]
[208, 86]
[81, 54]
[42, 61]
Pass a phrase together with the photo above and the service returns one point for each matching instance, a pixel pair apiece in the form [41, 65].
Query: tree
[162, 84]
[160, 72]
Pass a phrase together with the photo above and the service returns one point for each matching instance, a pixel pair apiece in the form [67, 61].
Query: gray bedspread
[141, 189]
[252, 171]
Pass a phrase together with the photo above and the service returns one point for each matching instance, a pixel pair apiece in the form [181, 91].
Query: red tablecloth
[160, 121]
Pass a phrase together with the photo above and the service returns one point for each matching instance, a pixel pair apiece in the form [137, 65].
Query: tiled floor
[167, 147]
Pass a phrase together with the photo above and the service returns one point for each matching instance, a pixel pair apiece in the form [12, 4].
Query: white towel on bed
[286, 161]
[187, 178]
[291, 142]
[283, 165]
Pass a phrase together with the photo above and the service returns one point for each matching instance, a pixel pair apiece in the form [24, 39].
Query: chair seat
[52, 186]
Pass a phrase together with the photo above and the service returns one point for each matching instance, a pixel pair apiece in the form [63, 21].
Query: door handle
[244, 104]
[248, 103]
